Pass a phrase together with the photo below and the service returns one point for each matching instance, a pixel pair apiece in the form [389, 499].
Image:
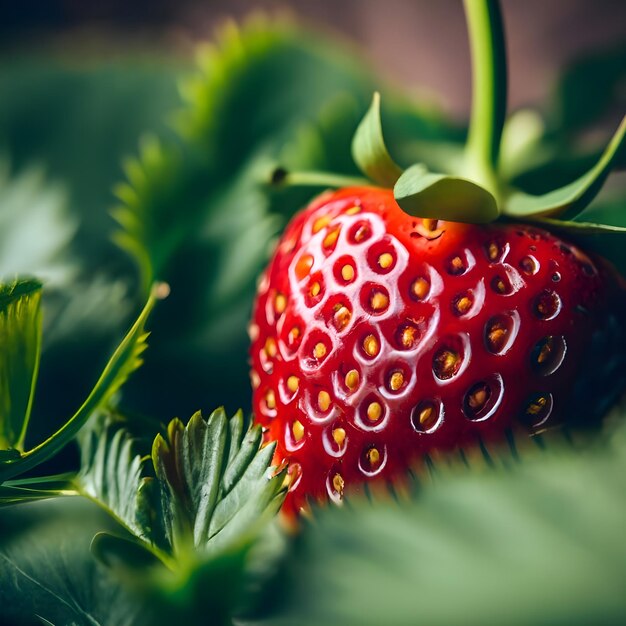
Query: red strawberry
[378, 337]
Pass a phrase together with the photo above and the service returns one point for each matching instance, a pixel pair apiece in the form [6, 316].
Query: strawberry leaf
[215, 482]
[426, 194]
[124, 361]
[369, 150]
[20, 347]
[33, 489]
[113, 475]
[571, 199]
[47, 572]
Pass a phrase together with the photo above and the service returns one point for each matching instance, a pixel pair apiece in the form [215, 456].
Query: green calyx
[473, 189]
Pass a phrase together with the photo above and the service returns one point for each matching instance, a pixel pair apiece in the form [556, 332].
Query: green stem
[489, 85]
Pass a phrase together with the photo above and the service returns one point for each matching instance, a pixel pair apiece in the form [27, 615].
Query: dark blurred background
[420, 43]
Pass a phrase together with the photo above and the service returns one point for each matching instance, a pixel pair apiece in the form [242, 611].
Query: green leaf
[130, 558]
[112, 474]
[539, 543]
[20, 348]
[589, 88]
[124, 361]
[33, 489]
[46, 570]
[570, 200]
[36, 228]
[76, 121]
[216, 484]
[426, 194]
[369, 150]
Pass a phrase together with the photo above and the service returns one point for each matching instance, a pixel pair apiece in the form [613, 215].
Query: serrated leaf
[124, 361]
[571, 199]
[369, 150]
[112, 474]
[20, 348]
[537, 543]
[215, 487]
[438, 196]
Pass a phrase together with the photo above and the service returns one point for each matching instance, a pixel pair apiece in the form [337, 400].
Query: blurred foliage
[536, 543]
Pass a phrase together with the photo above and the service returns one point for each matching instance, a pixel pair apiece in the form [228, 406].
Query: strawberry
[436, 310]
[378, 337]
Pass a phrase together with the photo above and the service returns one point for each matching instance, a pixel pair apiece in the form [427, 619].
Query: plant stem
[489, 86]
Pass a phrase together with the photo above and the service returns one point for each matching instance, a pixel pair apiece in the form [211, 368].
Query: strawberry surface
[378, 337]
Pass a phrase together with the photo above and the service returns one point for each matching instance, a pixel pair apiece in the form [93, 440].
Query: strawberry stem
[489, 86]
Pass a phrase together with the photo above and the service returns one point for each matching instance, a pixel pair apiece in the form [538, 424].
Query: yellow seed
[534, 408]
[546, 350]
[385, 260]
[419, 288]
[298, 430]
[361, 234]
[370, 345]
[463, 305]
[319, 351]
[373, 456]
[303, 266]
[320, 222]
[323, 401]
[270, 347]
[342, 317]
[353, 210]
[407, 338]
[374, 411]
[425, 415]
[331, 239]
[270, 400]
[293, 382]
[430, 224]
[338, 484]
[396, 381]
[456, 264]
[379, 301]
[493, 251]
[446, 362]
[280, 303]
[294, 333]
[499, 286]
[339, 435]
[347, 272]
[256, 380]
[352, 380]
[478, 398]
[315, 289]
[496, 337]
